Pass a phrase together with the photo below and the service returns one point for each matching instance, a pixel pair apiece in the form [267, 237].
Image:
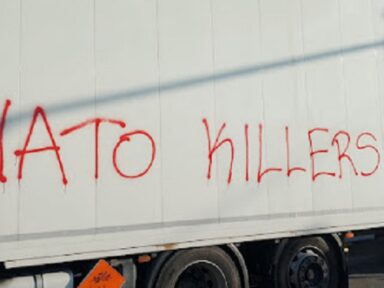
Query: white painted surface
[56, 68]
[162, 67]
[10, 89]
[47, 280]
[133, 65]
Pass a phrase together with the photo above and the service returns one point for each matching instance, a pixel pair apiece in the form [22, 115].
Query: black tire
[207, 267]
[307, 263]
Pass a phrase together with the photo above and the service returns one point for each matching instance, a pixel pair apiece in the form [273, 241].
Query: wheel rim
[201, 274]
[309, 269]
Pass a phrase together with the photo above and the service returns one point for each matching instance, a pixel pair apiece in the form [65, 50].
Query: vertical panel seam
[214, 90]
[160, 111]
[19, 104]
[344, 87]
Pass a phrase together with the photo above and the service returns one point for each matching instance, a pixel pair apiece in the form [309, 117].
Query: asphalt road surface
[366, 264]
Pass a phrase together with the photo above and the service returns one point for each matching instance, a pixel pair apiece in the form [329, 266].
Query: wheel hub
[308, 269]
[202, 275]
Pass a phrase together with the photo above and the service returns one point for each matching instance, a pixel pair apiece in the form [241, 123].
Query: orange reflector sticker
[349, 235]
[144, 259]
[103, 275]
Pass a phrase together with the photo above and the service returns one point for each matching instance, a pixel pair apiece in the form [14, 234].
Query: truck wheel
[307, 263]
[199, 268]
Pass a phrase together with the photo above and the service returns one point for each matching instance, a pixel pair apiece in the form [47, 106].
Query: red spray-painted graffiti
[290, 169]
[343, 155]
[7, 104]
[39, 113]
[369, 146]
[260, 172]
[342, 152]
[127, 138]
[314, 152]
[213, 148]
[339, 145]
[246, 132]
[97, 122]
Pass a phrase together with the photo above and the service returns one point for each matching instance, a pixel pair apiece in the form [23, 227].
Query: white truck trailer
[188, 143]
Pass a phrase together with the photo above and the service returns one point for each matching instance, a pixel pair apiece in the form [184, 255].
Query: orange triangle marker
[103, 275]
